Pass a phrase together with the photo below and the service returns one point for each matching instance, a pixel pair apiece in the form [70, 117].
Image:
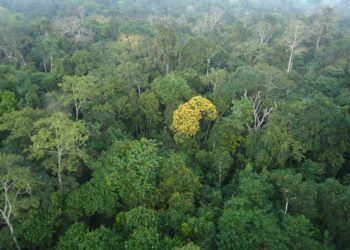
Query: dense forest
[185, 125]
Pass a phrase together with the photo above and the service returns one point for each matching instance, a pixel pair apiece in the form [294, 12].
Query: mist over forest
[180, 125]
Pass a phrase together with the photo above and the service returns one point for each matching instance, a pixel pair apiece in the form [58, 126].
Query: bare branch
[72, 27]
[260, 115]
[210, 21]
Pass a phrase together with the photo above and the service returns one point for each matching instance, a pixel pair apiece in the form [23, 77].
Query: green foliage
[248, 221]
[62, 140]
[241, 114]
[174, 124]
[248, 229]
[300, 195]
[217, 164]
[254, 189]
[91, 198]
[328, 138]
[143, 238]
[198, 53]
[58, 131]
[245, 78]
[334, 205]
[201, 229]
[301, 234]
[136, 218]
[17, 195]
[132, 168]
[40, 225]
[135, 27]
[20, 125]
[82, 62]
[131, 75]
[78, 90]
[171, 89]
[189, 246]
[7, 102]
[79, 237]
[274, 145]
[176, 177]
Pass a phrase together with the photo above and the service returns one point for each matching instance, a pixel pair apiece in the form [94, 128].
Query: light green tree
[79, 90]
[62, 141]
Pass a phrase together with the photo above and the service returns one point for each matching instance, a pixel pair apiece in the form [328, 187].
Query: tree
[187, 117]
[323, 22]
[78, 89]
[40, 226]
[245, 79]
[180, 208]
[215, 78]
[91, 198]
[20, 126]
[334, 201]
[278, 81]
[47, 49]
[210, 21]
[176, 178]
[140, 228]
[71, 27]
[300, 233]
[264, 32]
[135, 218]
[229, 133]
[143, 238]
[189, 246]
[275, 144]
[61, 139]
[78, 236]
[7, 102]
[13, 38]
[131, 167]
[247, 221]
[293, 38]
[216, 164]
[150, 108]
[131, 75]
[198, 53]
[171, 89]
[165, 42]
[298, 196]
[260, 115]
[321, 127]
[83, 62]
[248, 229]
[17, 185]
[252, 53]
[129, 47]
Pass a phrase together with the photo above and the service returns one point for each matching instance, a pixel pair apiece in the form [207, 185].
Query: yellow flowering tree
[187, 117]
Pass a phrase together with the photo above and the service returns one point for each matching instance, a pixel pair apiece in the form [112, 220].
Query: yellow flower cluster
[187, 117]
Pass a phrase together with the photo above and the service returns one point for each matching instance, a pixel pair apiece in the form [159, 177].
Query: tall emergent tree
[62, 141]
[187, 117]
[294, 36]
